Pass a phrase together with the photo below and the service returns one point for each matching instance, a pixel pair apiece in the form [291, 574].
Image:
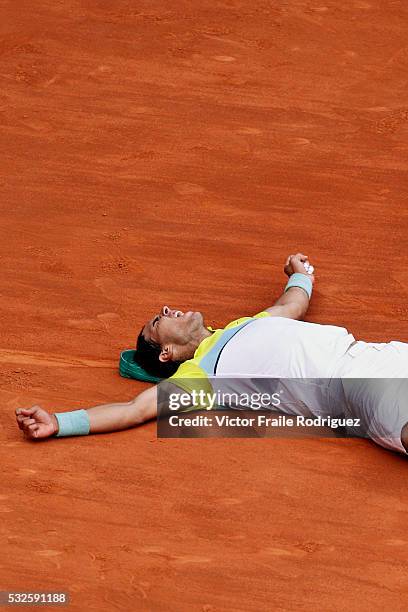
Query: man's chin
[195, 318]
[191, 314]
[198, 317]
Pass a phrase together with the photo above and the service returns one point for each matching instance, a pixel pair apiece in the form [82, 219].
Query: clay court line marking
[52, 360]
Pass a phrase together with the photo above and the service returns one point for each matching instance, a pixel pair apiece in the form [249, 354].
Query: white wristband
[300, 280]
[75, 423]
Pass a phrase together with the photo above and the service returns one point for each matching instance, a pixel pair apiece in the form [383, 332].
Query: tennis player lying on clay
[177, 348]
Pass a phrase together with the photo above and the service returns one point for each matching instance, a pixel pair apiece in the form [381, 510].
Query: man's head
[168, 339]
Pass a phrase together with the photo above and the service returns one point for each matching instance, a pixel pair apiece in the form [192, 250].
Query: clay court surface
[176, 153]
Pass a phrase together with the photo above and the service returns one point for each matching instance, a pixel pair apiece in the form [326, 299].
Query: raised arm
[37, 423]
[294, 302]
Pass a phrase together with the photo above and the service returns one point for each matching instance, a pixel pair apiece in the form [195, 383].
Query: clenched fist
[294, 263]
[36, 422]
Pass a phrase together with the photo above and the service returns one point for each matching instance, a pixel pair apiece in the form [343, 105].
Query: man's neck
[190, 348]
[205, 333]
[202, 335]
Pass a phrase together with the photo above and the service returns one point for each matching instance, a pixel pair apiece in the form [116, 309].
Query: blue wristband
[300, 280]
[75, 423]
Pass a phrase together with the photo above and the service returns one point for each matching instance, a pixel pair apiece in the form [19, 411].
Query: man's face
[173, 326]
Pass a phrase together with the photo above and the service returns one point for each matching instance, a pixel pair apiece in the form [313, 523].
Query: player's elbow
[294, 310]
[135, 415]
[143, 408]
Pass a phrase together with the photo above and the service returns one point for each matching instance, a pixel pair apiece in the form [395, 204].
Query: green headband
[128, 368]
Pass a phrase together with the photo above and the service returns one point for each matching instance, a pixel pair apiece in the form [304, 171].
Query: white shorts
[375, 382]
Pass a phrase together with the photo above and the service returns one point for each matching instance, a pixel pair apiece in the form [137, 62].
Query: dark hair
[147, 356]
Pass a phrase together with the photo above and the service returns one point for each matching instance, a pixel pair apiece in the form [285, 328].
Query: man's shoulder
[189, 369]
[236, 322]
[190, 377]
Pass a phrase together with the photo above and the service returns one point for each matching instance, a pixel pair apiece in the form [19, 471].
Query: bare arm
[37, 423]
[293, 303]
[115, 417]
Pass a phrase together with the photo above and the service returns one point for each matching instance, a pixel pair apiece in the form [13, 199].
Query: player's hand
[295, 263]
[36, 423]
